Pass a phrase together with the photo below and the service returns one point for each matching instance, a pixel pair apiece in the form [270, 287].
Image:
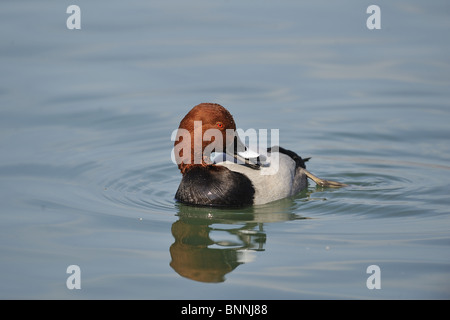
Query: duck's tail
[299, 161]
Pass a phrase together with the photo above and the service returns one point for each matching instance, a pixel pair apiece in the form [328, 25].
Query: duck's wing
[300, 162]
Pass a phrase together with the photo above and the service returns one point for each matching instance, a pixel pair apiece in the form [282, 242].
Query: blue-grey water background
[86, 177]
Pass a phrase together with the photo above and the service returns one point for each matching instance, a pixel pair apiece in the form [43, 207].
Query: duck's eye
[220, 124]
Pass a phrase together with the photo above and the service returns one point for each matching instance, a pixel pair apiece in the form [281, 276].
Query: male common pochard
[237, 176]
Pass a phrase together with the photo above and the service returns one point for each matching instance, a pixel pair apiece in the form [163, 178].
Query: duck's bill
[242, 154]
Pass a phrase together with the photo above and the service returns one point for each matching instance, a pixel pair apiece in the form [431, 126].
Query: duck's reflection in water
[209, 243]
[197, 256]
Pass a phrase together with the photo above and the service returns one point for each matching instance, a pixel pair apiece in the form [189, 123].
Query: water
[85, 123]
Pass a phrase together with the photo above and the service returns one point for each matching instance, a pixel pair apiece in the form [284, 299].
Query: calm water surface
[86, 177]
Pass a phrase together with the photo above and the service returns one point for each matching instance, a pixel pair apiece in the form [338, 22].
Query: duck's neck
[185, 167]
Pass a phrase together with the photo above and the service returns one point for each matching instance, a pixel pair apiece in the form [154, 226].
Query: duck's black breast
[215, 186]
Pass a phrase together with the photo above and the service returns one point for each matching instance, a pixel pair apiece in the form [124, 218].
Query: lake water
[86, 177]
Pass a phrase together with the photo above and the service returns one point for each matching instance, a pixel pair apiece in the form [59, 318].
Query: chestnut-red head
[207, 127]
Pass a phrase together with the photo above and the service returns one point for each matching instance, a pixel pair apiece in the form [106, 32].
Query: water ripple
[145, 188]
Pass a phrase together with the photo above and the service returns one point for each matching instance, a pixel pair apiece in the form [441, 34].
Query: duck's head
[207, 128]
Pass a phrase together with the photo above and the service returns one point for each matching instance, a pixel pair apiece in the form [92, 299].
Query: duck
[218, 170]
